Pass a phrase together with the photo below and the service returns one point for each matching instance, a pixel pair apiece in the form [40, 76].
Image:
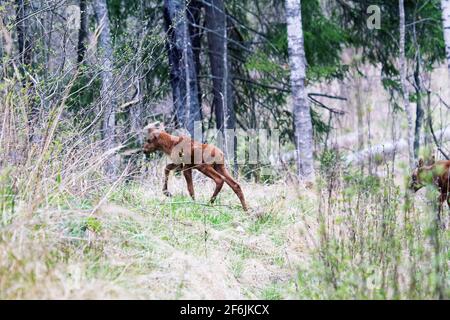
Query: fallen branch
[386, 150]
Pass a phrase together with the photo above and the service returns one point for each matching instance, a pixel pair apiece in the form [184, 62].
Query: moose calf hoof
[167, 193]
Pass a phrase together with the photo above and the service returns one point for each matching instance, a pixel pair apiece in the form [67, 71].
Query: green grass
[272, 292]
[365, 241]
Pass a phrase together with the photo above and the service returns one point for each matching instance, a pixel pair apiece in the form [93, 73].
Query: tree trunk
[405, 94]
[445, 6]
[419, 109]
[183, 74]
[107, 97]
[23, 37]
[194, 14]
[26, 59]
[217, 34]
[175, 56]
[302, 113]
[136, 115]
[359, 114]
[82, 32]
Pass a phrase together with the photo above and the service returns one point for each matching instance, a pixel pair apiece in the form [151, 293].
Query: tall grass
[374, 241]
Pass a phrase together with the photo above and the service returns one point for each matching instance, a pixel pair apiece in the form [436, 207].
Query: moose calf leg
[169, 167]
[190, 186]
[446, 219]
[208, 171]
[220, 168]
[442, 198]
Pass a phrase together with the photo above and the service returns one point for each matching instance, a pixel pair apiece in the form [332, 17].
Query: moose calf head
[151, 134]
[423, 174]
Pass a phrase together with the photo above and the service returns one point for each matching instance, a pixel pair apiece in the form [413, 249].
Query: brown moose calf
[187, 154]
[436, 173]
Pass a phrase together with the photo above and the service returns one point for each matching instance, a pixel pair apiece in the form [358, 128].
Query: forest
[331, 117]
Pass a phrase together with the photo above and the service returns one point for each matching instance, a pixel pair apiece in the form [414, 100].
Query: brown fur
[437, 173]
[187, 154]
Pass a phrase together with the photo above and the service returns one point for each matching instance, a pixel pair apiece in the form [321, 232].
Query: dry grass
[140, 245]
[135, 243]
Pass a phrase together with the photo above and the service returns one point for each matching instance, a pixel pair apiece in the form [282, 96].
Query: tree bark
[217, 34]
[23, 38]
[445, 6]
[183, 74]
[175, 57]
[107, 96]
[26, 58]
[301, 109]
[405, 94]
[419, 109]
[194, 14]
[359, 114]
[82, 32]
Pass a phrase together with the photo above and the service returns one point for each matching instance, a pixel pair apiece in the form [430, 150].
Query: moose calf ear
[420, 162]
[151, 127]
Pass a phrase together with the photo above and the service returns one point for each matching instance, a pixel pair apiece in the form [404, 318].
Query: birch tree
[445, 6]
[301, 109]
[405, 94]
[82, 32]
[107, 98]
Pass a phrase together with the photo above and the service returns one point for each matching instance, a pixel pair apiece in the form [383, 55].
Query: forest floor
[136, 243]
[127, 240]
